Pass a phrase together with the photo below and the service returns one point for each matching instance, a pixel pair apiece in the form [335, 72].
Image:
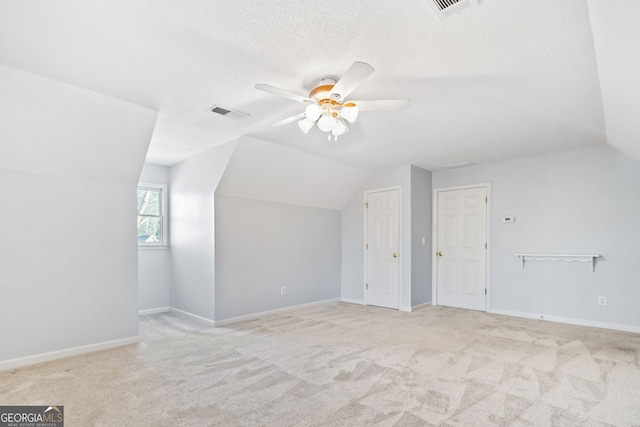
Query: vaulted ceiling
[507, 78]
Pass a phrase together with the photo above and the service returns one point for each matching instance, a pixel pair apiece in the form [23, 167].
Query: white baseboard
[278, 310]
[352, 301]
[403, 308]
[68, 352]
[153, 311]
[193, 316]
[568, 320]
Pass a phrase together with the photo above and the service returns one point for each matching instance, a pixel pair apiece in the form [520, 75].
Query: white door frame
[434, 241]
[364, 244]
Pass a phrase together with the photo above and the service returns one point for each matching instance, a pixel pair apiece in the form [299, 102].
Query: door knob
[395, 255]
[440, 253]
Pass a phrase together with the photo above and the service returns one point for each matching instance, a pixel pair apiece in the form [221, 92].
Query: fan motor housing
[322, 90]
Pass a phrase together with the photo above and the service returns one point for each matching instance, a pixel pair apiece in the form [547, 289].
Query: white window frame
[164, 242]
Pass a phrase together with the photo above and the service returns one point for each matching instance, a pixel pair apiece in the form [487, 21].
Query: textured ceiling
[505, 79]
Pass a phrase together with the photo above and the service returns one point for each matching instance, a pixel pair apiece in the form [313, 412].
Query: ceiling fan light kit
[326, 105]
[327, 110]
[306, 125]
[313, 112]
[350, 112]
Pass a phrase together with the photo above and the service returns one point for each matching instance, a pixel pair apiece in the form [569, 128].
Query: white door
[461, 251]
[382, 241]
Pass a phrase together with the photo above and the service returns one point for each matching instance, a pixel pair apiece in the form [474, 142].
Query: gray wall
[154, 263]
[262, 246]
[421, 212]
[579, 201]
[67, 263]
[156, 174]
[191, 221]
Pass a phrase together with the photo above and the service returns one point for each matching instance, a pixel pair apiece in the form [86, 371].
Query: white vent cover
[458, 165]
[446, 8]
[228, 112]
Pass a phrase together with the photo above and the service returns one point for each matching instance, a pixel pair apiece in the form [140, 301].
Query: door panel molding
[434, 242]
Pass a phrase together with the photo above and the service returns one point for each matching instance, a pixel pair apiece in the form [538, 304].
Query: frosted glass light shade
[341, 127]
[305, 125]
[349, 112]
[313, 112]
[326, 123]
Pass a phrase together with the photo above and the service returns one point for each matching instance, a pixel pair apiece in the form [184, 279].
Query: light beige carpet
[349, 365]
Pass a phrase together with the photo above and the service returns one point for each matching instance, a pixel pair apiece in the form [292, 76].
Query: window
[152, 230]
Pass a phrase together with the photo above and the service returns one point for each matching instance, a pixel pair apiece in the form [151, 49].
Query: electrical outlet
[283, 290]
[602, 300]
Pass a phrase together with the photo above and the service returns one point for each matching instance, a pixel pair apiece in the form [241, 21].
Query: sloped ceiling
[264, 171]
[616, 32]
[57, 129]
[505, 79]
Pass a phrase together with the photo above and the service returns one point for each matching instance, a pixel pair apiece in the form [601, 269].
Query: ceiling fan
[327, 105]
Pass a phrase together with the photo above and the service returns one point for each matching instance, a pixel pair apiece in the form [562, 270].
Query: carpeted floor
[349, 365]
[157, 326]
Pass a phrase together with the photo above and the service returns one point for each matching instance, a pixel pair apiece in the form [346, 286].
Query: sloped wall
[69, 164]
[262, 170]
[54, 128]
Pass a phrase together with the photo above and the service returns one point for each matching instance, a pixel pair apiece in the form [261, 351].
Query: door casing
[434, 242]
[364, 210]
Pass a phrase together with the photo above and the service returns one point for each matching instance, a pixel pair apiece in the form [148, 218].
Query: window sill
[153, 247]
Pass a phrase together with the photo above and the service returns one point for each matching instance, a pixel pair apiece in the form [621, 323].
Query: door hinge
[485, 291]
[486, 200]
[367, 286]
[366, 205]
[485, 246]
[366, 246]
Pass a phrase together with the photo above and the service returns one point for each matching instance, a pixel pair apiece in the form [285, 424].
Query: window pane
[149, 229]
[149, 201]
[150, 215]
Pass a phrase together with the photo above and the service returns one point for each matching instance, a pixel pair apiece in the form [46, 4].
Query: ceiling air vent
[228, 112]
[446, 8]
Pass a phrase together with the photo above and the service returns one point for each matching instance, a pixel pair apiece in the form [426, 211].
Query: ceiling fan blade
[288, 120]
[283, 93]
[383, 104]
[355, 75]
